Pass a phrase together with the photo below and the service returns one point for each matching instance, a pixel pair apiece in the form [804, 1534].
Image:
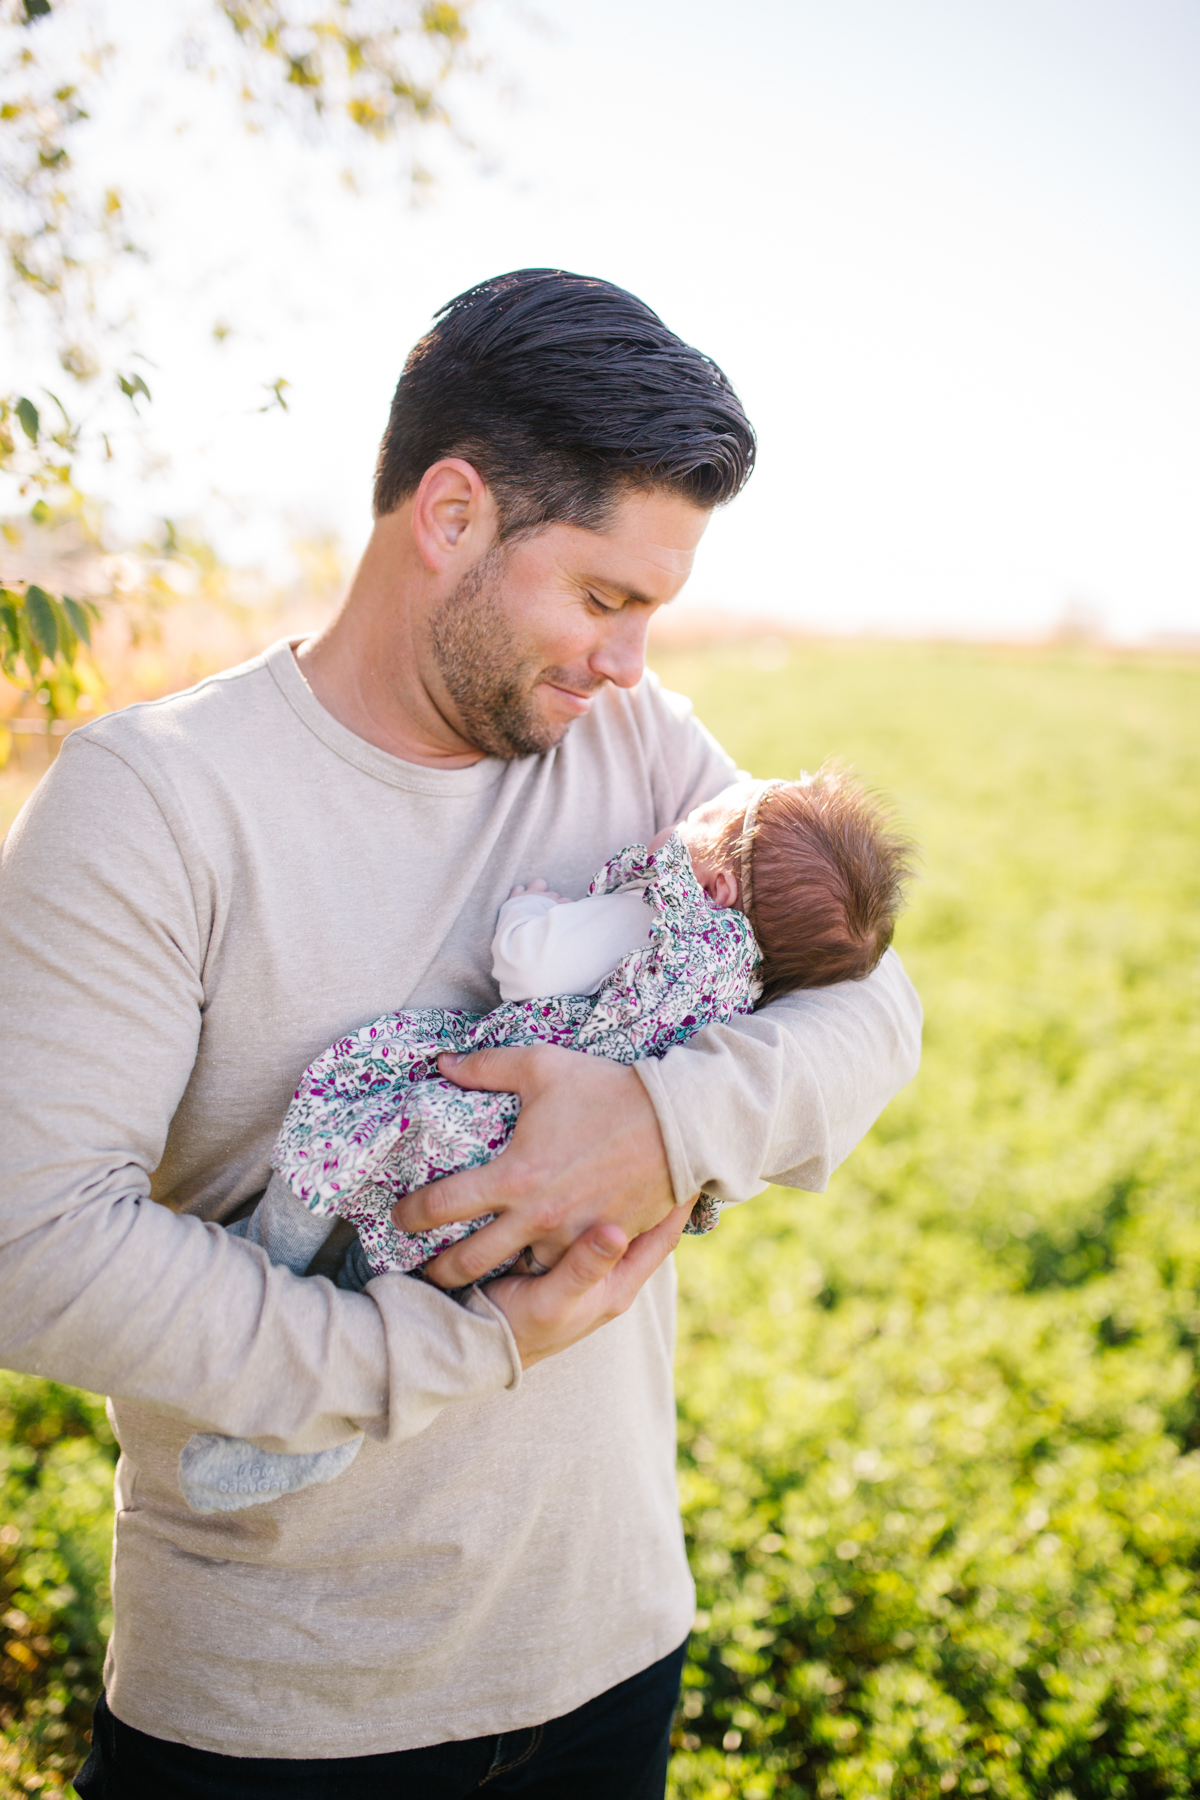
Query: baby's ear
[724, 889]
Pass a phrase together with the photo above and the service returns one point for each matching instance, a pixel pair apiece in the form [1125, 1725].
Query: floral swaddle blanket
[372, 1119]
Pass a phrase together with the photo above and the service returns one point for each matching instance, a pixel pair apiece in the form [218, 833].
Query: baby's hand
[538, 886]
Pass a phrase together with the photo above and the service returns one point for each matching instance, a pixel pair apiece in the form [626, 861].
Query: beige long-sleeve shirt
[201, 895]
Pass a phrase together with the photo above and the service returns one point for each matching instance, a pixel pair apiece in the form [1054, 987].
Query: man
[203, 893]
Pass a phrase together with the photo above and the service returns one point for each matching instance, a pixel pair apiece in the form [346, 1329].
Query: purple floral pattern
[372, 1119]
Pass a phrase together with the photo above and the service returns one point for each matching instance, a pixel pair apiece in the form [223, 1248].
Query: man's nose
[621, 658]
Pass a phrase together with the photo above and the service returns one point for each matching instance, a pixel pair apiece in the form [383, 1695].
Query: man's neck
[368, 668]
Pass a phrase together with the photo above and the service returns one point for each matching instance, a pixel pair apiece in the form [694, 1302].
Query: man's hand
[597, 1279]
[586, 1151]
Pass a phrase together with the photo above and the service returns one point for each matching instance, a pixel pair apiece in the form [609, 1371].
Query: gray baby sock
[220, 1474]
[224, 1474]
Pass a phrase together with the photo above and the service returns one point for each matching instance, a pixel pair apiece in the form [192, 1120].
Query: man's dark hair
[563, 391]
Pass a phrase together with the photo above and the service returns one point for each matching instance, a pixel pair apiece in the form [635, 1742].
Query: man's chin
[531, 733]
[541, 735]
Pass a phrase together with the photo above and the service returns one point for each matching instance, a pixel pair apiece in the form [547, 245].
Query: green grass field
[938, 1425]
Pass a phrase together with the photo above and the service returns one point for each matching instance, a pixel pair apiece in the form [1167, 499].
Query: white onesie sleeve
[546, 947]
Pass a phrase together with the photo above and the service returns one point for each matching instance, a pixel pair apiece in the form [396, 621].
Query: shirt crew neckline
[415, 778]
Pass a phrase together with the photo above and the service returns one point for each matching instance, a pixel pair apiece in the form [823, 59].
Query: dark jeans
[615, 1747]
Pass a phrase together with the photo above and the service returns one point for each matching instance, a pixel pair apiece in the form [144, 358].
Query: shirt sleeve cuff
[439, 1353]
[683, 1181]
[477, 1302]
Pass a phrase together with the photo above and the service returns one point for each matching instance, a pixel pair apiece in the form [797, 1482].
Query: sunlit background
[946, 251]
[939, 1426]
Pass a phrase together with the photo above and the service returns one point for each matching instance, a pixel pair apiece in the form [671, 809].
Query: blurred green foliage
[939, 1426]
[56, 1470]
[40, 636]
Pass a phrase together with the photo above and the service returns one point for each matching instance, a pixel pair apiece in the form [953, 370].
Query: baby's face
[702, 831]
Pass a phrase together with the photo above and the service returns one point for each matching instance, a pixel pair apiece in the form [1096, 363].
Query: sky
[947, 251]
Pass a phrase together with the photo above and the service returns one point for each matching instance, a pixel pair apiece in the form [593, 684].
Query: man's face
[539, 626]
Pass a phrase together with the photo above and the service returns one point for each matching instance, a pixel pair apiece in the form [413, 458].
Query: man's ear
[454, 517]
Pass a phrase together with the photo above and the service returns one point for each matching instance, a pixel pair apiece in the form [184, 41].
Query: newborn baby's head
[816, 865]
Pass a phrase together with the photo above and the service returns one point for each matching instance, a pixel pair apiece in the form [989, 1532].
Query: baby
[769, 888]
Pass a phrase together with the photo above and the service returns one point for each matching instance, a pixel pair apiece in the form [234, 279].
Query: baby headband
[746, 844]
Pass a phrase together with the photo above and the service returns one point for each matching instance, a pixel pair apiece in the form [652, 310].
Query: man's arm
[783, 1095]
[101, 949]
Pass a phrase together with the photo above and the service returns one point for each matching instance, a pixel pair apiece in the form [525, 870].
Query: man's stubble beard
[492, 683]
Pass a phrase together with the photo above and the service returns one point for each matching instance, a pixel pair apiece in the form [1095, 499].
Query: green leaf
[80, 623]
[27, 412]
[68, 643]
[132, 386]
[36, 9]
[8, 621]
[43, 626]
[66, 417]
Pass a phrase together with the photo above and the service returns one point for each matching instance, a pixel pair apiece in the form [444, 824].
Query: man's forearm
[785, 1094]
[127, 1299]
[100, 1014]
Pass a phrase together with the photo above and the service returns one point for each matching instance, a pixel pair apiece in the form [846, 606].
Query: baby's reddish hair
[823, 868]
